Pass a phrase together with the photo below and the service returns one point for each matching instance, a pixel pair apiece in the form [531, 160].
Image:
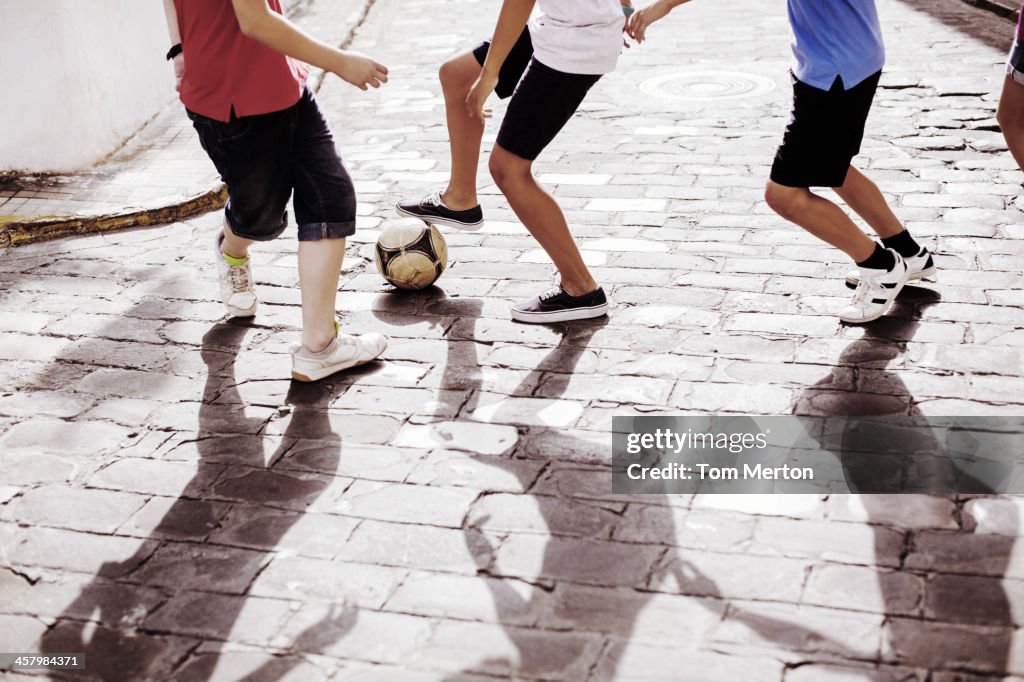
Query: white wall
[77, 77]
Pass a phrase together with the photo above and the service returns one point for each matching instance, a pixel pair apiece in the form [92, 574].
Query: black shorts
[824, 133]
[543, 99]
[263, 158]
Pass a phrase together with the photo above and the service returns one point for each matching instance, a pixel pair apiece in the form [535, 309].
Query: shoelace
[555, 289]
[864, 291]
[433, 199]
[239, 276]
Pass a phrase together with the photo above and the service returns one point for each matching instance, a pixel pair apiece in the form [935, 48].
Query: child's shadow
[164, 585]
[566, 573]
[861, 385]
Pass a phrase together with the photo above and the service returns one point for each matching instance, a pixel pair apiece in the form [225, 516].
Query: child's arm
[172, 31]
[258, 22]
[511, 21]
[641, 19]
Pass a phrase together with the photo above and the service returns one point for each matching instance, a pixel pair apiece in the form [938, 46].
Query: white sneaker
[236, 286]
[876, 291]
[922, 266]
[344, 352]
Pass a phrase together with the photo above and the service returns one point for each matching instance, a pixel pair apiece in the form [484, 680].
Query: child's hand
[360, 70]
[641, 19]
[478, 94]
[179, 71]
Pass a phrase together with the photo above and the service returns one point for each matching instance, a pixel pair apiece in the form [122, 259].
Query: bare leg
[464, 132]
[820, 217]
[864, 197]
[319, 270]
[541, 215]
[233, 245]
[1011, 118]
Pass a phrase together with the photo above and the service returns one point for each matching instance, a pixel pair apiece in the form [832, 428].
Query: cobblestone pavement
[174, 508]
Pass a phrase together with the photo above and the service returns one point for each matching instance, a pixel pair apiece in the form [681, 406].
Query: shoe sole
[561, 315]
[437, 220]
[238, 312]
[928, 273]
[328, 371]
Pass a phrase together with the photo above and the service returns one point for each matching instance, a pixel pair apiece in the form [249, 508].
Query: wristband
[174, 51]
[627, 10]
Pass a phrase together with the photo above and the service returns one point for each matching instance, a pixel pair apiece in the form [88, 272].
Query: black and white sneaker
[876, 290]
[431, 209]
[557, 305]
[922, 266]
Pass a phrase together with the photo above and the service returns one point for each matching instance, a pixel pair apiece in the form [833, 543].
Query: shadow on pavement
[983, 26]
[178, 582]
[949, 575]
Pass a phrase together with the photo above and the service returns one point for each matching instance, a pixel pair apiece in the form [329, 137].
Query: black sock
[881, 259]
[902, 244]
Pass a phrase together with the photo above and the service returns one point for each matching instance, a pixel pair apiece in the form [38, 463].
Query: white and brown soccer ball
[411, 254]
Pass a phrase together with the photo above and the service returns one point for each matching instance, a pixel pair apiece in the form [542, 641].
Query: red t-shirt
[225, 70]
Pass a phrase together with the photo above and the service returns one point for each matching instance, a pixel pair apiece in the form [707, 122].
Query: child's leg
[233, 245]
[822, 218]
[864, 197]
[1011, 118]
[464, 132]
[319, 271]
[325, 210]
[541, 215]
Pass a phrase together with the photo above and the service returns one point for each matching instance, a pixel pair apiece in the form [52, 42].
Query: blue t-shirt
[835, 38]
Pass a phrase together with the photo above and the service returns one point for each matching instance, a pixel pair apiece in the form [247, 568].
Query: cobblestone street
[175, 508]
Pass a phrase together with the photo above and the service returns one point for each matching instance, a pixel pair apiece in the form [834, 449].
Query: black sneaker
[556, 305]
[431, 209]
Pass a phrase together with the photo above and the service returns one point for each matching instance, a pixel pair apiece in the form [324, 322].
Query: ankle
[317, 343]
[459, 200]
[579, 288]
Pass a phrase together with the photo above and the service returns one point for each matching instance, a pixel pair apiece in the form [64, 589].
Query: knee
[503, 171]
[788, 202]
[453, 76]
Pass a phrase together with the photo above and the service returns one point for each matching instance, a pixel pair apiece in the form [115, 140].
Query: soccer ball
[411, 254]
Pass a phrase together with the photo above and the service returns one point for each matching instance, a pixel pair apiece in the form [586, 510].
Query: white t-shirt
[578, 36]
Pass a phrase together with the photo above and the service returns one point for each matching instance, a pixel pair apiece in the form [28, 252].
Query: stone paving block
[982, 600]
[201, 567]
[494, 408]
[811, 672]
[902, 511]
[657, 524]
[113, 654]
[318, 580]
[303, 534]
[134, 384]
[541, 514]
[576, 560]
[225, 666]
[836, 542]
[216, 617]
[175, 519]
[509, 652]
[359, 634]
[859, 588]
[154, 477]
[65, 438]
[805, 630]
[727, 576]
[77, 552]
[405, 503]
[97, 511]
[484, 439]
[425, 547]
[49, 403]
[637, 662]
[471, 598]
[453, 468]
[943, 646]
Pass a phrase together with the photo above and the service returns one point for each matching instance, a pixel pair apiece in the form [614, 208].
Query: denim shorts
[264, 158]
